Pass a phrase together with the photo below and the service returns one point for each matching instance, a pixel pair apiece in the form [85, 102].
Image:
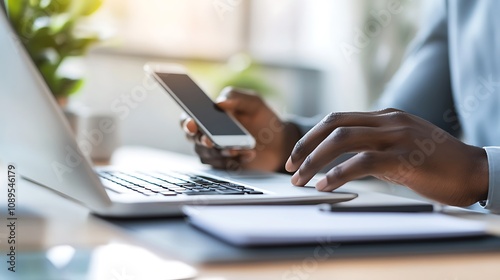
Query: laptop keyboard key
[117, 188]
[173, 184]
[229, 192]
[199, 193]
[254, 192]
[168, 193]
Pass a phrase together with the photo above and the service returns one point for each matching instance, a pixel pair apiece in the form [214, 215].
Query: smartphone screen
[215, 120]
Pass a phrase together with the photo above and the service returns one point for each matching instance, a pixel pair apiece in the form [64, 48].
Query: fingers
[233, 101]
[320, 131]
[211, 156]
[205, 141]
[247, 156]
[193, 134]
[224, 159]
[238, 101]
[189, 127]
[341, 140]
[359, 166]
[183, 118]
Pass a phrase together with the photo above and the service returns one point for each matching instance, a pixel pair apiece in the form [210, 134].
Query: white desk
[47, 220]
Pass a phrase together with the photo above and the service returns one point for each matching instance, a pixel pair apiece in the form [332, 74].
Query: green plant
[245, 73]
[52, 32]
[248, 79]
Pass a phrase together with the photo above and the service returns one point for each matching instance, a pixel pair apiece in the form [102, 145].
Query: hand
[274, 138]
[393, 146]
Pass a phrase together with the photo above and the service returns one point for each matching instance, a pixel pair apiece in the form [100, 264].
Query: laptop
[36, 137]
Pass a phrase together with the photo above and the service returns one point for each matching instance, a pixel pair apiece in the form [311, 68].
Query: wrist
[479, 179]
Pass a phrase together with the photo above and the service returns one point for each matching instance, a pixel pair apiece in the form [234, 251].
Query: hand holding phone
[274, 139]
[222, 129]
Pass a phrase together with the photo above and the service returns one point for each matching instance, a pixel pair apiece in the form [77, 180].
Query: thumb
[227, 105]
[239, 101]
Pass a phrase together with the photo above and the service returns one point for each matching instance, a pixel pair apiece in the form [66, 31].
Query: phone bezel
[246, 141]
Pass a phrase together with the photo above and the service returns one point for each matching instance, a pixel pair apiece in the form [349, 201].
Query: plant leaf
[15, 9]
[47, 29]
[34, 3]
[87, 7]
[77, 46]
[60, 23]
[48, 71]
[92, 6]
[68, 86]
[40, 41]
[58, 6]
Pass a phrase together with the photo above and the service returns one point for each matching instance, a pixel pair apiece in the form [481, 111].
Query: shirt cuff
[493, 200]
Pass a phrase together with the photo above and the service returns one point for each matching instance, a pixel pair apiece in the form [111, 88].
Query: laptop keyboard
[170, 184]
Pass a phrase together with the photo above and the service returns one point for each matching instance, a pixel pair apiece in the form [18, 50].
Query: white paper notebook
[280, 225]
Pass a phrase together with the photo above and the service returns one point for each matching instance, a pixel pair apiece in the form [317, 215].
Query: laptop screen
[34, 135]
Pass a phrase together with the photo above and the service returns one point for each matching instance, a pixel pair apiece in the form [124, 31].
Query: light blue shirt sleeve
[422, 85]
[440, 79]
[451, 77]
[493, 201]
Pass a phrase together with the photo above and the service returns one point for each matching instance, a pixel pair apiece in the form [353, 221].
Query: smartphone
[224, 131]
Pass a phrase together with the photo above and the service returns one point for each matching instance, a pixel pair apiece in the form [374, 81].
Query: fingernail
[206, 141]
[288, 165]
[223, 101]
[186, 129]
[321, 184]
[295, 178]
[220, 100]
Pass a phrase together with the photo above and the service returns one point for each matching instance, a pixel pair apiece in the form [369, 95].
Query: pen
[398, 208]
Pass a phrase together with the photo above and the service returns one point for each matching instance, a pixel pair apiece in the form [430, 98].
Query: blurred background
[306, 58]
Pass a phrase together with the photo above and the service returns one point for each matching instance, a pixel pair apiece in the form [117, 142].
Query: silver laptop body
[35, 135]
